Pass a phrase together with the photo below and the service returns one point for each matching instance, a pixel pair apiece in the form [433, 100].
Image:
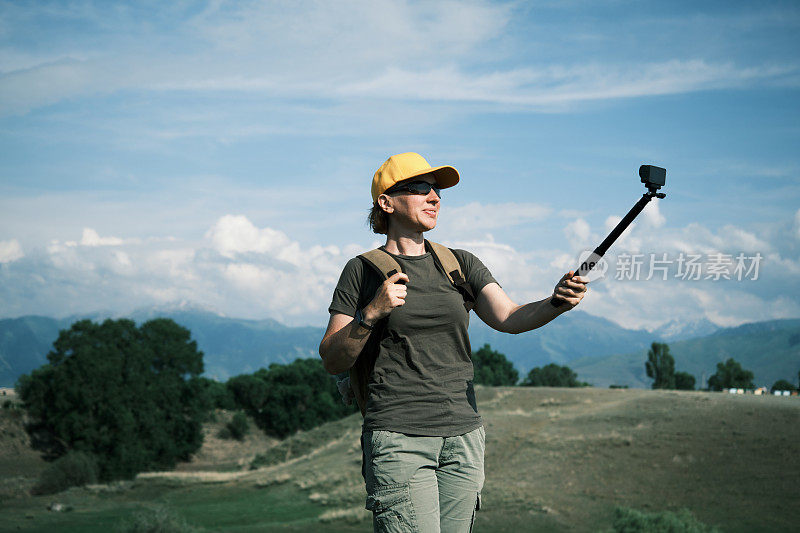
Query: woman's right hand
[391, 294]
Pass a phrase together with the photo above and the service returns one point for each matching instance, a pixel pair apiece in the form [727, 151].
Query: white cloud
[490, 216]
[239, 269]
[295, 49]
[652, 215]
[578, 233]
[243, 270]
[431, 51]
[233, 235]
[556, 86]
[523, 276]
[697, 238]
[91, 238]
[10, 251]
[649, 303]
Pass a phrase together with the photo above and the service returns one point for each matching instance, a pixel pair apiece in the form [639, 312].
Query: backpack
[386, 266]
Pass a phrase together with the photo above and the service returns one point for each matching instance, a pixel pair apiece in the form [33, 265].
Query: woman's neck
[405, 244]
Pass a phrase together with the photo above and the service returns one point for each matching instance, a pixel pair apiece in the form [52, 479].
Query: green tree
[128, 396]
[492, 368]
[660, 366]
[218, 394]
[552, 375]
[730, 374]
[782, 384]
[684, 381]
[285, 398]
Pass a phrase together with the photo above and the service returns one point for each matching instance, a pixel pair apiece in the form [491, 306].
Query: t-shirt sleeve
[475, 272]
[346, 293]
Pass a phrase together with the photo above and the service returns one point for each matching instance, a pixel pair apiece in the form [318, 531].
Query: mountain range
[771, 350]
[602, 352]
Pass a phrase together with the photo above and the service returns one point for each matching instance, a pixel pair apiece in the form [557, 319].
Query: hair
[378, 219]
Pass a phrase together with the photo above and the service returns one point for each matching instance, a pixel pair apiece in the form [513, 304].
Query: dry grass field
[557, 460]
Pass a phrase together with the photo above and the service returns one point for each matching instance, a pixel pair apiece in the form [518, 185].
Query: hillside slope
[557, 460]
[562, 459]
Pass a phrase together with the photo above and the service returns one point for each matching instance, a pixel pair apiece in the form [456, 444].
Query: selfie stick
[653, 178]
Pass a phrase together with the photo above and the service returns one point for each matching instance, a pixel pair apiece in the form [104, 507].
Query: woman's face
[414, 212]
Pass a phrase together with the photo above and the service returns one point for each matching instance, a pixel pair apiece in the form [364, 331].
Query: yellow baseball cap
[409, 165]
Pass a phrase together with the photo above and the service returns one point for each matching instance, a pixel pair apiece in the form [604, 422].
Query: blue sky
[220, 153]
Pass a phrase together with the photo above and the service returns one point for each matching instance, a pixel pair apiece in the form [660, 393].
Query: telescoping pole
[654, 178]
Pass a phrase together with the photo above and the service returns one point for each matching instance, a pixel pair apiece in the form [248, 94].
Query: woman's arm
[342, 342]
[494, 307]
[345, 338]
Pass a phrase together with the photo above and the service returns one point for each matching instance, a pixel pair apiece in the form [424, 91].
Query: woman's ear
[385, 202]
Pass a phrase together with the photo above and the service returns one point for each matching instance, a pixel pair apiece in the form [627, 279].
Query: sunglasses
[416, 187]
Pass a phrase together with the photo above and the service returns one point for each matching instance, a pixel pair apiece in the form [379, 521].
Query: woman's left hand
[571, 290]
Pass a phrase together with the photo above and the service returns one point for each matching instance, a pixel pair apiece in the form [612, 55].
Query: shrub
[553, 375]
[12, 407]
[158, 520]
[492, 368]
[633, 521]
[282, 399]
[238, 426]
[782, 384]
[74, 469]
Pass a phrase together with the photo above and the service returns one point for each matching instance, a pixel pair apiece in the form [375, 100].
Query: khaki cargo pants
[423, 484]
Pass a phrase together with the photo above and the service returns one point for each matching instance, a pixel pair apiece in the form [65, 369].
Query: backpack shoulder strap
[447, 260]
[386, 266]
[381, 262]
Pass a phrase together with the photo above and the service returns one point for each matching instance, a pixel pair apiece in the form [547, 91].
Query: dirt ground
[556, 460]
[573, 455]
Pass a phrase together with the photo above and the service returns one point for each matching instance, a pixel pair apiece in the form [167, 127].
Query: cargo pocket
[392, 511]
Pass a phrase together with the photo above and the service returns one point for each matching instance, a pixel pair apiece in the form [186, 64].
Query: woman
[423, 439]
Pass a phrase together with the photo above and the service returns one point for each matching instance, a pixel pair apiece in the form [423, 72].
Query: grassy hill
[770, 349]
[557, 460]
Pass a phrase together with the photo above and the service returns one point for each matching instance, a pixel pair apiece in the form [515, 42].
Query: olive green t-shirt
[422, 381]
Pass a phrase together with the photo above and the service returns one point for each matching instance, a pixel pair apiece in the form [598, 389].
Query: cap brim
[445, 176]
